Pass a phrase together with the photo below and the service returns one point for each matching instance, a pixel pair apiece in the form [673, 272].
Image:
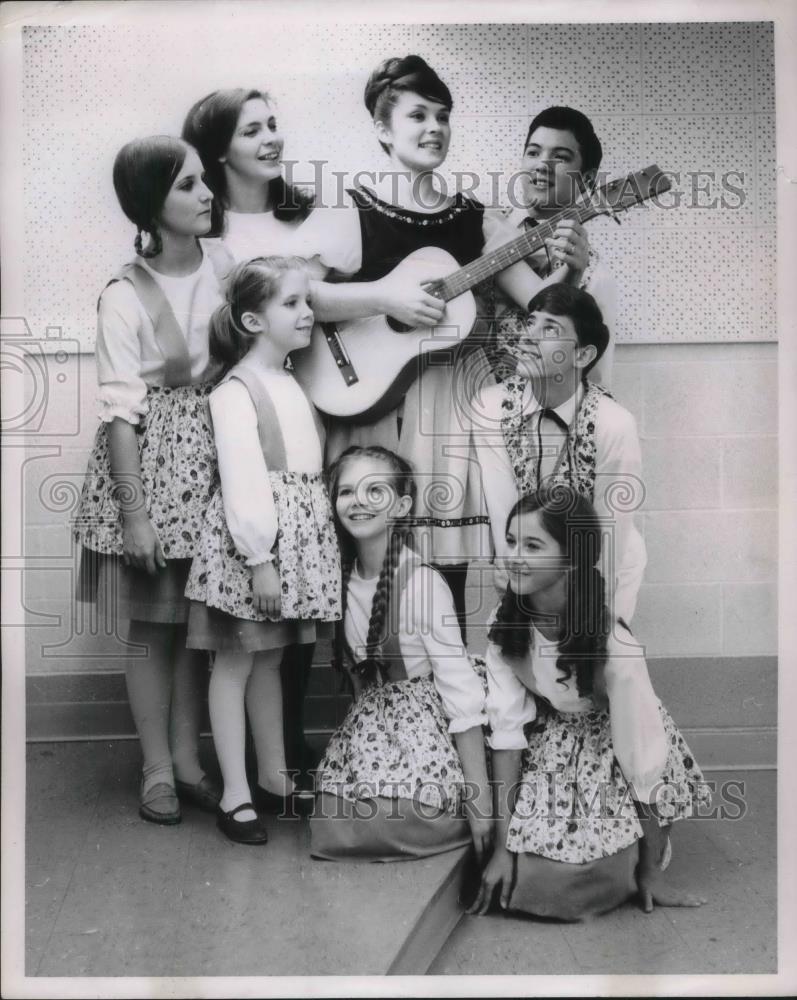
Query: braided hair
[394, 76]
[210, 126]
[400, 477]
[143, 173]
[570, 519]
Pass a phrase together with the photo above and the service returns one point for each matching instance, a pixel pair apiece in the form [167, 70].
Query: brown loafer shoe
[205, 793]
[160, 805]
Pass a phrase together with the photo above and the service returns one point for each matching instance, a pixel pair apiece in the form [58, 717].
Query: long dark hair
[143, 173]
[570, 519]
[209, 126]
[401, 479]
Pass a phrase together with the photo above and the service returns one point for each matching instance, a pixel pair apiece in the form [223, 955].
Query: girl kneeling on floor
[589, 768]
[390, 785]
[267, 567]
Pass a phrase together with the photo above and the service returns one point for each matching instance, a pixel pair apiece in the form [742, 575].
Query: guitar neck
[510, 253]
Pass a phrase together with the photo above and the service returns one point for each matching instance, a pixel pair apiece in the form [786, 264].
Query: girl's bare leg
[190, 673]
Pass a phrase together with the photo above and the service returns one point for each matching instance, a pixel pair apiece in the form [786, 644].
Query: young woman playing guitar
[362, 241]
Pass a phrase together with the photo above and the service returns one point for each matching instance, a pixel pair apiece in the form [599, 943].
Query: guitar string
[466, 277]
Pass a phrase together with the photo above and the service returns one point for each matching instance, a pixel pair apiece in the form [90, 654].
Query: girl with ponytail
[267, 567]
[589, 768]
[418, 700]
[152, 470]
[256, 212]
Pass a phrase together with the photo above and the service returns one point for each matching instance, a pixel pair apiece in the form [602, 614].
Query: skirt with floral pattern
[305, 555]
[394, 743]
[178, 474]
[574, 803]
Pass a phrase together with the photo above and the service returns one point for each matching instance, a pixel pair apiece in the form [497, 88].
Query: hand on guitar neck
[359, 369]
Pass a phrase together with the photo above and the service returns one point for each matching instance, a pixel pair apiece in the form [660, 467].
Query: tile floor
[731, 863]
[107, 894]
[110, 895]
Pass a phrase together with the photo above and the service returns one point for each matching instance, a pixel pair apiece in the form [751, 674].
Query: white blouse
[429, 639]
[257, 234]
[618, 468]
[638, 736]
[127, 353]
[246, 489]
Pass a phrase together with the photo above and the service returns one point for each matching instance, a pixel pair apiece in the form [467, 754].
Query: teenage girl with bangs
[255, 213]
[360, 242]
[589, 768]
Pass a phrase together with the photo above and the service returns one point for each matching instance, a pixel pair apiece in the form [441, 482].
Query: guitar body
[359, 370]
[380, 363]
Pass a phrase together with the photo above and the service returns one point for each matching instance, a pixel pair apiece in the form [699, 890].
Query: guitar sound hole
[398, 327]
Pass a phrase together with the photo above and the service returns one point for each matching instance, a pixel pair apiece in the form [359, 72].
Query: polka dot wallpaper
[698, 99]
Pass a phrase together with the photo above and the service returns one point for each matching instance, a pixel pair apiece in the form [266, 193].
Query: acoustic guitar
[360, 369]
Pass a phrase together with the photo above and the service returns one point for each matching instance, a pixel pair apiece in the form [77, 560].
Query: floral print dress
[305, 549]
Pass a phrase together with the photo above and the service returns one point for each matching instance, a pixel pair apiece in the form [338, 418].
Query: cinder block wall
[695, 362]
[707, 417]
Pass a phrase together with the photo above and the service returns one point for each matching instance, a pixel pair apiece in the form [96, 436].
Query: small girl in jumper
[267, 567]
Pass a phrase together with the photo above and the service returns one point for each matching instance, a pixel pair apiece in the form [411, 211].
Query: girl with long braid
[589, 769]
[391, 785]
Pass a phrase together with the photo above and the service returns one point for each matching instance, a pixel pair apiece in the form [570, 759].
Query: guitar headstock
[630, 190]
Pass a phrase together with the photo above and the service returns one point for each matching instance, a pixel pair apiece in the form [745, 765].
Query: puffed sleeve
[638, 736]
[458, 684]
[330, 239]
[510, 705]
[246, 491]
[123, 392]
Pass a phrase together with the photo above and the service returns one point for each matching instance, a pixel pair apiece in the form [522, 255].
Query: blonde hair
[250, 285]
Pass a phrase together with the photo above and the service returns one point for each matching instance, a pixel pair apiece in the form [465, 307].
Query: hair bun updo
[394, 75]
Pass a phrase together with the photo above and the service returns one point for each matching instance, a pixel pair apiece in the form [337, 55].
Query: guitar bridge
[339, 353]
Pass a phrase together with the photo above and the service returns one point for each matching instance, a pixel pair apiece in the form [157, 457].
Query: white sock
[226, 698]
[264, 705]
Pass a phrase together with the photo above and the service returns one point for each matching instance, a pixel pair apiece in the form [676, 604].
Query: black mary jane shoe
[250, 831]
[299, 802]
